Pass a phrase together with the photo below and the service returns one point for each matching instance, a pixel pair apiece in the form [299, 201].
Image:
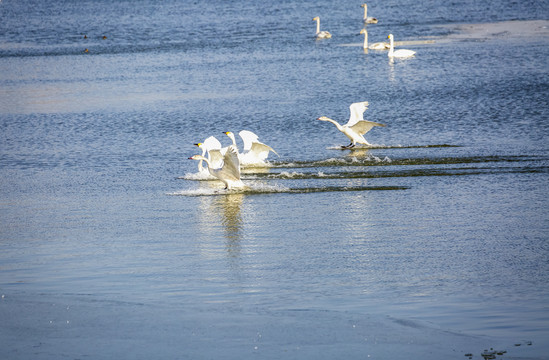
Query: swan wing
[216, 158]
[231, 164]
[323, 35]
[259, 152]
[379, 46]
[212, 143]
[404, 53]
[357, 112]
[363, 126]
[248, 138]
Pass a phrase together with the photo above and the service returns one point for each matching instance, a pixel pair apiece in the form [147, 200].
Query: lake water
[110, 247]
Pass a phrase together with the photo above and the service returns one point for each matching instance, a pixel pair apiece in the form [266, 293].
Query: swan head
[390, 37]
[363, 31]
[231, 136]
[316, 18]
[324, 118]
[197, 157]
[198, 144]
[364, 6]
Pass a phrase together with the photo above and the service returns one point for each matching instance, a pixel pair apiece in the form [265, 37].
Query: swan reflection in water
[229, 207]
[359, 152]
[220, 216]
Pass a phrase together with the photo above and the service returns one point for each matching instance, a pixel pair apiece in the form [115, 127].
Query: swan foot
[350, 146]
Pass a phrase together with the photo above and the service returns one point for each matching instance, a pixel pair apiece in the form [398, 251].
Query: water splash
[277, 189]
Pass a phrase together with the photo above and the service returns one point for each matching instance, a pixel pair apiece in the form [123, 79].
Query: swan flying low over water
[368, 20]
[229, 172]
[254, 152]
[321, 34]
[400, 53]
[356, 127]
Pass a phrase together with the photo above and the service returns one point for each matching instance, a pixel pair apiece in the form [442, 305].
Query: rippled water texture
[437, 229]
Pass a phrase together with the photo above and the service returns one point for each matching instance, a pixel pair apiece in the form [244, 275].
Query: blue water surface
[444, 220]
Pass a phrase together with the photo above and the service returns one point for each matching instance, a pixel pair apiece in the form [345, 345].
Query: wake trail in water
[380, 146]
[372, 160]
[266, 189]
[375, 167]
[270, 180]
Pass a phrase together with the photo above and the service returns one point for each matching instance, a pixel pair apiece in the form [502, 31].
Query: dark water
[443, 220]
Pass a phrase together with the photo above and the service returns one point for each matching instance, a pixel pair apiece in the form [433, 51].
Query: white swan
[254, 152]
[374, 46]
[401, 53]
[321, 34]
[212, 147]
[229, 173]
[356, 127]
[366, 19]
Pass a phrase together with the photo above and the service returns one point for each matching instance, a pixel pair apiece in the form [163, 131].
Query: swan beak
[191, 158]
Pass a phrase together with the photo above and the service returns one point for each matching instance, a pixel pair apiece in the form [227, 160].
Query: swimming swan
[255, 152]
[366, 19]
[374, 46]
[229, 172]
[357, 126]
[401, 53]
[321, 34]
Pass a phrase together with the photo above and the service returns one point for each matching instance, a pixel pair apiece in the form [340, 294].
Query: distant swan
[321, 34]
[254, 152]
[374, 46]
[401, 53]
[366, 19]
[212, 147]
[229, 173]
[357, 126]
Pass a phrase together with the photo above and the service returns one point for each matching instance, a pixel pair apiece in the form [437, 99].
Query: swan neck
[210, 169]
[317, 26]
[365, 11]
[365, 45]
[333, 122]
[207, 162]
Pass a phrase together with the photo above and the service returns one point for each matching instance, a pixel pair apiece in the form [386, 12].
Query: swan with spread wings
[229, 172]
[255, 152]
[356, 127]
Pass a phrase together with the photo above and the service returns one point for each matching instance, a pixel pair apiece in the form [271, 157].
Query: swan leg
[350, 146]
